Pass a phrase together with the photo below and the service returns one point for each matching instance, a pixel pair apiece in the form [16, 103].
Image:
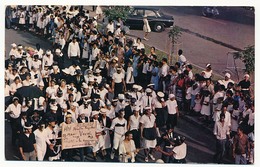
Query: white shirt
[227, 117]
[47, 60]
[220, 131]
[182, 59]
[180, 151]
[165, 69]
[95, 53]
[40, 137]
[134, 122]
[118, 77]
[171, 106]
[110, 27]
[14, 111]
[7, 90]
[148, 122]
[188, 93]
[119, 129]
[73, 49]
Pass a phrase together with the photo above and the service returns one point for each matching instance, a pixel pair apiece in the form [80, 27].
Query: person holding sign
[66, 154]
[99, 134]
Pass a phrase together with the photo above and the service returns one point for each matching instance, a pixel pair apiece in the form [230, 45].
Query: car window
[150, 13]
[137, 12]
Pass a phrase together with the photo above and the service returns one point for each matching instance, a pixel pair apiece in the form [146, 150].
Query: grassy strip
[160, 54]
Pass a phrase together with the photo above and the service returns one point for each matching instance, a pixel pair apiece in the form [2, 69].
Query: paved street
[233, 28]
[236, 32]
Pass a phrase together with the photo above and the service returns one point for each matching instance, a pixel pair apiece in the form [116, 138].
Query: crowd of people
[101, 76]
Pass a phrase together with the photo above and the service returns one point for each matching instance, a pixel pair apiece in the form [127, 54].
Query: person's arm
[141, 130]
[123, 81]
[128, 124]
[158, 148]
[69, 48]
[78, 51]
[22, 153]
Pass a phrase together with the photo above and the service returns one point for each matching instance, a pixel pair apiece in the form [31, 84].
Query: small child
[197, 106]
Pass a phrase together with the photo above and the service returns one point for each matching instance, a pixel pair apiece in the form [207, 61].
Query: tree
[248, 57]
[117, 12]
[174, 34]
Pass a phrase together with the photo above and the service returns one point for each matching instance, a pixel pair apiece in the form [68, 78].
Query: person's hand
[51, 146]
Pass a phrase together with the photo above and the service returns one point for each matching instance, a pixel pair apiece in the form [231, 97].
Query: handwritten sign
[78, 135]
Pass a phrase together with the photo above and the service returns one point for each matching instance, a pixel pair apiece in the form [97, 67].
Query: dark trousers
[14, 127]
[118, 89]
[220, 150]
[136, 137]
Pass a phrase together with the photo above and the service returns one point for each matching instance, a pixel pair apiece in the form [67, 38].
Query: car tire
[158, 27]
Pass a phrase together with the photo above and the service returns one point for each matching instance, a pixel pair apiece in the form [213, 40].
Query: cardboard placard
[78, 135]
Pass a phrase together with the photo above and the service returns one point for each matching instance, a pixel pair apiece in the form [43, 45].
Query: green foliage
[117, 11]
[248, 57]
[174, 34]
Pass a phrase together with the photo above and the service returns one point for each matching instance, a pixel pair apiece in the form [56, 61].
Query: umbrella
[29, 92]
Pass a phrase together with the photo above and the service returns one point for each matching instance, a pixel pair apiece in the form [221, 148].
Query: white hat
[227, 75]
[68, 116]
[160, 94]
[91, 79]
[148, 90]
[66, 71]
[103, 110]
[139, 88]
[84, 85]
[208, 65]
[94, 113]
[150, 85]
[13, 45]
[118, 68]
[87, 101]
[27, 125]
[95, 17]
[20, 47]
[121, 96]
[115, 58]
[171, 96]
[246, 75]
[135, 86]
[54, 108]
[57, 50]
[15, 98]
[147, 108]
[118, 24]
[136, 108]
[98, 70]
[64, 106]
[48, 52]
[81, 112]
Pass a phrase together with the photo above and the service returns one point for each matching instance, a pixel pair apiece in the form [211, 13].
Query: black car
[157, 20]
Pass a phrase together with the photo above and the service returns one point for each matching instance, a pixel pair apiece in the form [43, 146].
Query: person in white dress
[133, 125]
[146, 27]
[129, 76]
[205, 109]
[40, 137]
[148, 133]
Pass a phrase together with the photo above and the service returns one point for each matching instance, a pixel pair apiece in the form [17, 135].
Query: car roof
[146, 7]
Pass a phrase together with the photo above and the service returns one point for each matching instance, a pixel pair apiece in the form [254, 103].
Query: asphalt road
[207, 40]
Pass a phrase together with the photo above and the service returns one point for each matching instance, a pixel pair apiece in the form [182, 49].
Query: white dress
[128, 75]
[205, 109]
[148, 123]
[146, 27]
[40, 137]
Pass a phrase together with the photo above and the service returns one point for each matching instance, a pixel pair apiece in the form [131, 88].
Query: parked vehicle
[210, 11]
[158, 21]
